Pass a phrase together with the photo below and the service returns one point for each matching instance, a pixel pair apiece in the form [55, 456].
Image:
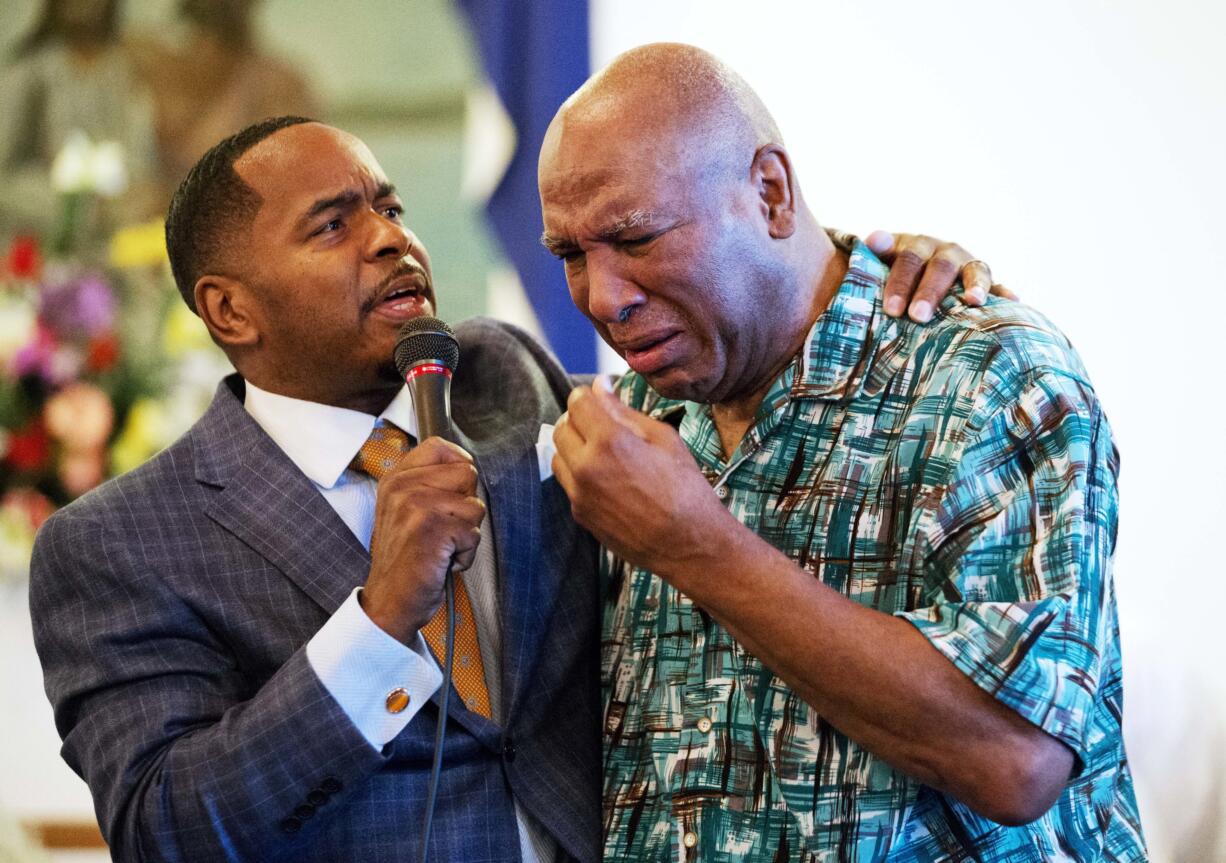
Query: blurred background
[1075, 146]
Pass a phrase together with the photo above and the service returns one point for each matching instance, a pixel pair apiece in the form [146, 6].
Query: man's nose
[388, 238]
[612, 295]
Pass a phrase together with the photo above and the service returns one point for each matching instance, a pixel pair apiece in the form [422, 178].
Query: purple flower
[44, 357]
[80, 305]
[35, 357]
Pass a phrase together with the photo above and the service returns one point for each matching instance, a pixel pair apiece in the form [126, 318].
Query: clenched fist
[633, 483]
[426, 513]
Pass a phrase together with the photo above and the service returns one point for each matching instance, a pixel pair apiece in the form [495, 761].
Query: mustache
[402, 269]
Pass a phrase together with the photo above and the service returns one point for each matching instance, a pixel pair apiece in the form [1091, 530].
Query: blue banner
[535, 53]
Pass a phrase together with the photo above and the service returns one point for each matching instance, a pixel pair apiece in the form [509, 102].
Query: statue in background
[216, 81]
[71, 76]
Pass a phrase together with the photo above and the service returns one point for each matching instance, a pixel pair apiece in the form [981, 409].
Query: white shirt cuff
[360, 665]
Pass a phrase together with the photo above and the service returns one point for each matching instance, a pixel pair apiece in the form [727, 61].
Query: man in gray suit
[231, 634]
[218, 677]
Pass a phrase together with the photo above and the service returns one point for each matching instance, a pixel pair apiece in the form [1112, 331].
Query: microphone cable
[440, 733]
[426, 354]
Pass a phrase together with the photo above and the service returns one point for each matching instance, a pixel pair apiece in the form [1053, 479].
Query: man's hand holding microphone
[427, 513]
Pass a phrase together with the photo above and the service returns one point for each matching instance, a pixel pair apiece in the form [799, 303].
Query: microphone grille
[426, 339]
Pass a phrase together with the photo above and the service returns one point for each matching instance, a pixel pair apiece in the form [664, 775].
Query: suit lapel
[271, 506]
[525, 599]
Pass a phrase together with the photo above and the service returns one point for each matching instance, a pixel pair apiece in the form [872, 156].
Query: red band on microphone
[426, 369]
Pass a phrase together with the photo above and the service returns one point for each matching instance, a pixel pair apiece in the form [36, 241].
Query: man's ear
[771, 173]
[225, 305]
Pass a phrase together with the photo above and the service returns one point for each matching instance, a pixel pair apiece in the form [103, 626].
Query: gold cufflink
[397, 700]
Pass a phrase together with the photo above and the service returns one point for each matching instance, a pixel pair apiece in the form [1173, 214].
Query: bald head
[676, 94]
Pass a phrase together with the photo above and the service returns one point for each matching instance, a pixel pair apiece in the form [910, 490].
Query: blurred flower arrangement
[101, 363]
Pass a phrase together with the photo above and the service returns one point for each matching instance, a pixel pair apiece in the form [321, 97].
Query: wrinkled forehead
[598, 180]
[607, 136]
[580, 155]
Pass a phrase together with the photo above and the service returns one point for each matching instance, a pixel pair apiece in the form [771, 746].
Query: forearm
[191, 752]
[872, 676]
[230, 789]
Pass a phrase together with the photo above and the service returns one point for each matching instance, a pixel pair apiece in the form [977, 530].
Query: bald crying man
[857, 571]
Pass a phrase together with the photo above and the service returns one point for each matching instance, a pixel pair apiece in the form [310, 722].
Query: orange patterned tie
[381, 452]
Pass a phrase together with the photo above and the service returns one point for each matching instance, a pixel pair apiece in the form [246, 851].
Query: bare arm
[874, 677]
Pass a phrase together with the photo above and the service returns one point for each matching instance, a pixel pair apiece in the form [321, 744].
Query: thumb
[603, 383]
[602, 389]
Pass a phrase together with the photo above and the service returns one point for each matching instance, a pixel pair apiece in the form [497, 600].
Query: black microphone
[426, 355]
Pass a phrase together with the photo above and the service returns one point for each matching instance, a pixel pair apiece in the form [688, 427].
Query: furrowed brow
[385, 190]
[556, 245]
[345, 200]
[630, 221]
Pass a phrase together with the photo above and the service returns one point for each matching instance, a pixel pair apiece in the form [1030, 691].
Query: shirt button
[704, 724]
[721, 492]
[464, 661]
[397, 700]
[689, 840]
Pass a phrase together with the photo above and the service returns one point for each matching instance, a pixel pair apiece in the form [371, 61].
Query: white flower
[18, 324]
[83, 166]
[108, 171]
[69, 170]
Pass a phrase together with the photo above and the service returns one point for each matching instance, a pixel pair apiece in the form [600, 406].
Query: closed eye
[563, 252]
[637, 244]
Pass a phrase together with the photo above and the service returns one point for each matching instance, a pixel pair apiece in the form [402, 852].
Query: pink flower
[34, 507]
[79, 471]
[45, 357]
[80, 417]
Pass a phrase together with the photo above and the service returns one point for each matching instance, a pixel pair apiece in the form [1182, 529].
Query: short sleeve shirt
[959, 475]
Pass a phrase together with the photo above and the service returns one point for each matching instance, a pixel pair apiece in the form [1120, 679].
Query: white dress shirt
[357, 662]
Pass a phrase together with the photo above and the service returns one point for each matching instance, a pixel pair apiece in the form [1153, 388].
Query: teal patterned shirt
[959, 475]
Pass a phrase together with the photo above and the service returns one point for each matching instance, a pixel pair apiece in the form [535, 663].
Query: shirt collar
[321, 440]
[836, 354]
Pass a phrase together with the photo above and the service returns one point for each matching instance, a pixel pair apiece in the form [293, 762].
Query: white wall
[1077, 146]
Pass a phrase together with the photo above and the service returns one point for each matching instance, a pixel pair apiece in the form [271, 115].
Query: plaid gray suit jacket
[172, 607]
